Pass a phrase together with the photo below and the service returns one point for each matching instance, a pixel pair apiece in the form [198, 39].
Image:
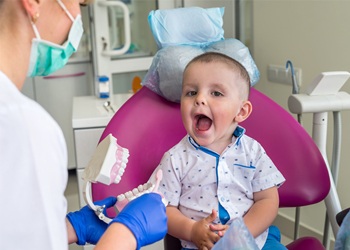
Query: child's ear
[244, 112]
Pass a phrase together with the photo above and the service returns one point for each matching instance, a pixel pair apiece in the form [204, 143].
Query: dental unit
[323, 95]
[107, 166]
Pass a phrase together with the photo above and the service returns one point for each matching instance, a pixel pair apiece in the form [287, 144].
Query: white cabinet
[122, 41]
[86, 141]
[56, 92]
[89, 118]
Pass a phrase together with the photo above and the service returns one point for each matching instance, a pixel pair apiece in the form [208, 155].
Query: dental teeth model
[107, 166]
[108, 162]
[123, 199]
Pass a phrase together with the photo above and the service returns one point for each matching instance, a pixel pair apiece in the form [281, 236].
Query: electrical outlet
[279, 74]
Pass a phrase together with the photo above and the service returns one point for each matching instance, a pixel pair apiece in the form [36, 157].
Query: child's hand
[201, 235]
[219, 229]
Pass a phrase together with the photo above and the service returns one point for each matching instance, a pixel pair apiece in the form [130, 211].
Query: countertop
[89, 111]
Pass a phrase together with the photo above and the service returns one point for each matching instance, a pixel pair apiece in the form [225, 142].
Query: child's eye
[191, 93]
[217, 93]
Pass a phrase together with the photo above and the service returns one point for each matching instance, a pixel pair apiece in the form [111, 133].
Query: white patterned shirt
[198, 180]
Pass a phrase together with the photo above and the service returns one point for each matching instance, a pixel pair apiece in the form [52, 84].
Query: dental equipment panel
[323, 96]
[328, 83]
[107, 166]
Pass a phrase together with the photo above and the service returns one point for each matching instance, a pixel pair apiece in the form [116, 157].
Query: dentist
[37, 37]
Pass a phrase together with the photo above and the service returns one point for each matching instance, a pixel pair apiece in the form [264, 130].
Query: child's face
[212, 103]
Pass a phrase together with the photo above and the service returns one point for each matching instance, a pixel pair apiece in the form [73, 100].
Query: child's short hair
[219, 57]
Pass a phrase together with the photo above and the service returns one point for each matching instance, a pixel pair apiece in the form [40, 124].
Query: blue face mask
[47, 57]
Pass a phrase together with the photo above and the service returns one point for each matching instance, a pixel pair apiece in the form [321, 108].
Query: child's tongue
[203, 123]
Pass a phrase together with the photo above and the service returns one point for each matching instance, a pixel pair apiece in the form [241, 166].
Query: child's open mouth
[203, 122]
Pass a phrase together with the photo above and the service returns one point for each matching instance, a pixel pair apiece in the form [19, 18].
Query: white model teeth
[118, 178]
[122, 170]
[121, 197]
[120, 173]
[145, 186]
[128, 195]
[136, 192]
[108, 162]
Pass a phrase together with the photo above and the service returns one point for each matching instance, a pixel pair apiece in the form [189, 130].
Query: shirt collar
[236, 137]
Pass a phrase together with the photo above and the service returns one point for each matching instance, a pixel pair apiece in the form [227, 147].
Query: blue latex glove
[145, 217]
[88, 227]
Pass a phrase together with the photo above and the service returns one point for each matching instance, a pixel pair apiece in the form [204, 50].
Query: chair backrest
[291, 149]
[148, 125]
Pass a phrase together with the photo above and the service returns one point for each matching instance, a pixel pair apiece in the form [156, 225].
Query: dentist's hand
[88, 227]
[146, 219]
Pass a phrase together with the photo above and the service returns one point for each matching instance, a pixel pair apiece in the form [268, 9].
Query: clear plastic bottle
[103, 86]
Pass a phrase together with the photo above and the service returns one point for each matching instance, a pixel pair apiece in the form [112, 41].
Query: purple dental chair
[148, 125]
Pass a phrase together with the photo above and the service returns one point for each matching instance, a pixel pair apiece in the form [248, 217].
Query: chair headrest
[193, 26]
[182, 34]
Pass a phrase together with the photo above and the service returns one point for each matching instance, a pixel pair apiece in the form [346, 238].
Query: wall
[315, 36]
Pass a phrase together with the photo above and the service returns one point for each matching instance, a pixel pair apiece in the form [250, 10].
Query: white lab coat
[33, 174]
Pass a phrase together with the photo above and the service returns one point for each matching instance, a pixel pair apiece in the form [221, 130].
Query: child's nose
[200, 100]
